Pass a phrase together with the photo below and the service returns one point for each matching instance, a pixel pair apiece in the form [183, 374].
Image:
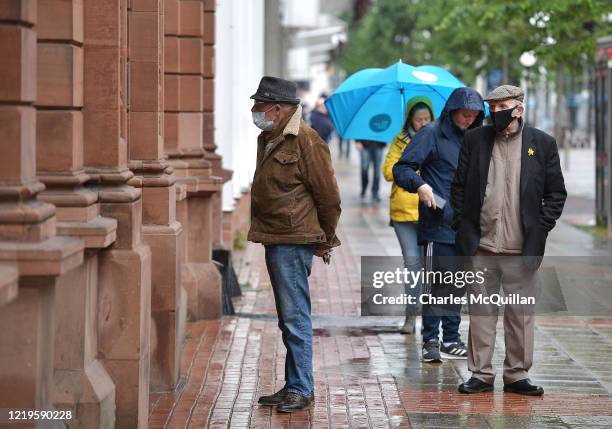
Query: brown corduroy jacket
[294, 195]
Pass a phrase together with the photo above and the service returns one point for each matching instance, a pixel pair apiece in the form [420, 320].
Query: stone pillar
[82, 383]
[29, 244]
[124, 284]
[184, 104]
[155, 177]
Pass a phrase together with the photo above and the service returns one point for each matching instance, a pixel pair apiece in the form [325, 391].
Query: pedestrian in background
[434, 151]
[320, 121]
[345, 148]
[404, 207]
[370, 154]
[507, 195]
[295, 207]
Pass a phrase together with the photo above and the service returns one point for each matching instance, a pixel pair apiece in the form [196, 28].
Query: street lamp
[528, 60]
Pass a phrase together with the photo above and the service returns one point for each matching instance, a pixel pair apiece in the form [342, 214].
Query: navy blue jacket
[434, 150]
[322, 124]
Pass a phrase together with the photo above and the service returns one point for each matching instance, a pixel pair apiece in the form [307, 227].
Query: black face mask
[502, 118]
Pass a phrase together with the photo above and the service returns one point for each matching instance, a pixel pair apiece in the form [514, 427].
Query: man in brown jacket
[295, 207]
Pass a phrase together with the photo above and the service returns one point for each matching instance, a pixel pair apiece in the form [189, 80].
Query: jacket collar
[518, 131]
[291, 128]
[528, 142]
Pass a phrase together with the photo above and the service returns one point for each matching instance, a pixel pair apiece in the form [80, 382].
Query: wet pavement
[366, 373]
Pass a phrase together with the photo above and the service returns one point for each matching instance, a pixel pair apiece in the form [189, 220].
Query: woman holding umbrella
[404, 207]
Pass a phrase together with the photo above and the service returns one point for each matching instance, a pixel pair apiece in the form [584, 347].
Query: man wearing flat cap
[507, 194]
[295, 207]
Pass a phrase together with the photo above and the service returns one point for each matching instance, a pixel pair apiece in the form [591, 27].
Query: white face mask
[259, 119]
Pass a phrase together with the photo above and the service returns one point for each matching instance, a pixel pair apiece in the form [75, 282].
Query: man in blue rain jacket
[427, 167]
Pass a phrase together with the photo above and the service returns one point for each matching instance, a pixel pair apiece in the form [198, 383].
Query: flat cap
[506, 92]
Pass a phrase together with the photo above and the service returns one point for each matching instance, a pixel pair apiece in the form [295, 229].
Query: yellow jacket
[404, 205]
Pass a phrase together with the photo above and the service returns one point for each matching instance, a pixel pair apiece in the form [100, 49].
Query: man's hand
[426, 195]
[359, 146]
[320, 251]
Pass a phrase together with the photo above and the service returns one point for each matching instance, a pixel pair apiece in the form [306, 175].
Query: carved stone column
[82, 383]
[184, 103]
[29, 244]
[155, 177]
[124, 287]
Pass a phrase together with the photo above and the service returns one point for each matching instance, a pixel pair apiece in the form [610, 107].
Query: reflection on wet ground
[367, 374]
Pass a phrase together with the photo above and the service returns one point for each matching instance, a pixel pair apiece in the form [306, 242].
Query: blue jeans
[371, 154]
[441, 257]
[289, 266]
[411, 251]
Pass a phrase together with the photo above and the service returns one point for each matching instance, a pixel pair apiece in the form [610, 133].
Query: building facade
[127, 154]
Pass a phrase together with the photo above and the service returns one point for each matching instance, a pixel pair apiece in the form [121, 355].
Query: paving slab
[366, 373]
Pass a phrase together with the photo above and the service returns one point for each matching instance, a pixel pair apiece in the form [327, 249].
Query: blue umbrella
[371, 104]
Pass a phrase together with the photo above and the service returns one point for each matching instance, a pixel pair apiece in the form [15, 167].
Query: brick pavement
[366, 373]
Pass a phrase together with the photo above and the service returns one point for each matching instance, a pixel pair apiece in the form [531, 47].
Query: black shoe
[294, 402]
[375, 198]
[273, 399]
[431, 351]
[474, 385]
[453, 351]
[524, 387]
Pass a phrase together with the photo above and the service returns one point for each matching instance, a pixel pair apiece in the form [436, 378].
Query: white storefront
[239, 64]
[302, 37]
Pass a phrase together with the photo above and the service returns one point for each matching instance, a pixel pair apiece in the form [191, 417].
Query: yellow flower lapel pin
[530, 152]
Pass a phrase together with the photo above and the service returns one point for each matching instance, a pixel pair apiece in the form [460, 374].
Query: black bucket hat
[276, 90]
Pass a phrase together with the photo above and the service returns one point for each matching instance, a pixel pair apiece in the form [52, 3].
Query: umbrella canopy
[371, 104]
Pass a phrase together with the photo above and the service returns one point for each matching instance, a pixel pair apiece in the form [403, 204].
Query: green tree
[475, 36]
[566, 31]
[382, 37]
[495, 32]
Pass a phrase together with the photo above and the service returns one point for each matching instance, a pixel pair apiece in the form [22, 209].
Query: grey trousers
[509, 272]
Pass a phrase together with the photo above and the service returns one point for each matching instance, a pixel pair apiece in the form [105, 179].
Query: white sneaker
[453, 351]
